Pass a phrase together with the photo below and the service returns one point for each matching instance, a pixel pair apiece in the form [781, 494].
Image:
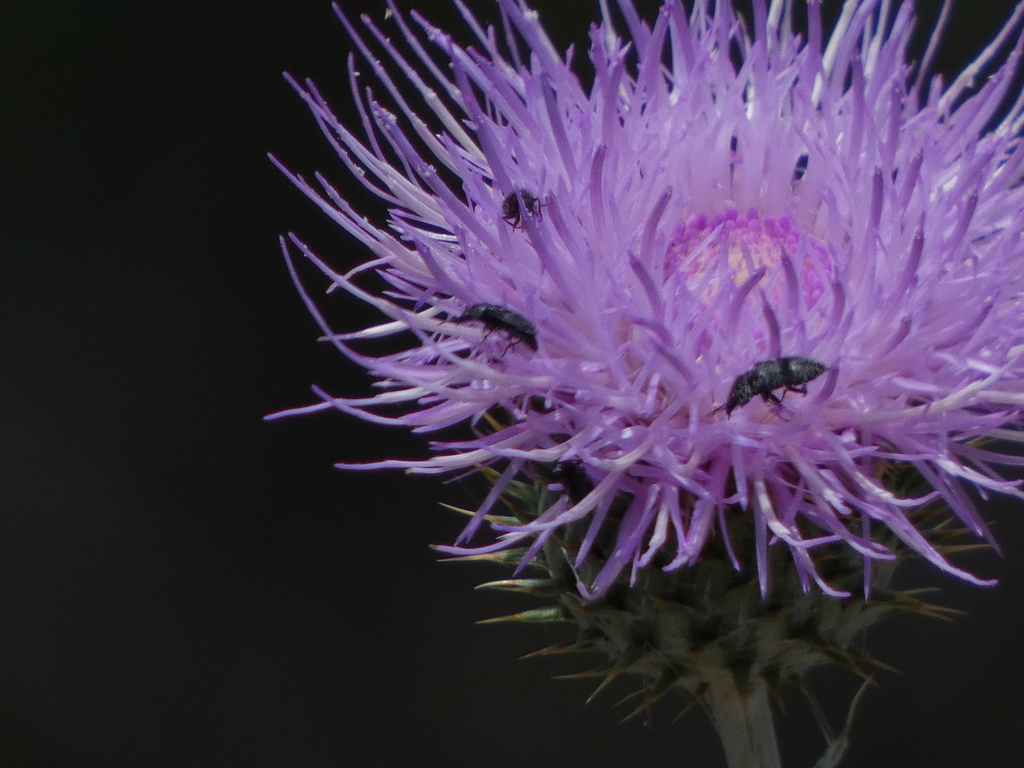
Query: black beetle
[498, 318]
[573, 478]
[793, 373]
[512, 212]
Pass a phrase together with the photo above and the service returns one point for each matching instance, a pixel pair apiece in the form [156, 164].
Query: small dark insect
[498, 318]
[512, 212]
[573, 478]
[800, 169]
[793, 373]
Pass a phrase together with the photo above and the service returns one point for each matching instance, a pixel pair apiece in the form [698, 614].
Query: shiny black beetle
[573, 478]
[512, 211]
[498, 318]
[792, 373]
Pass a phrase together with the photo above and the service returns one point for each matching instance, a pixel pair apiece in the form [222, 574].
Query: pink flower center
[723, 252]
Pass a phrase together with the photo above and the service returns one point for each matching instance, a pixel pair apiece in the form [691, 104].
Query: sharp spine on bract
[789, 373]
[498, 318]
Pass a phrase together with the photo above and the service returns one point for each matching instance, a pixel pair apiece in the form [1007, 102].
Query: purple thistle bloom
[724, 194]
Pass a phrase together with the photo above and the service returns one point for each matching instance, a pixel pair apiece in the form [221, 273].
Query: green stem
[744, 723]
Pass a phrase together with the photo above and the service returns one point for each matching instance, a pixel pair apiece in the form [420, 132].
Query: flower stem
[744, 722]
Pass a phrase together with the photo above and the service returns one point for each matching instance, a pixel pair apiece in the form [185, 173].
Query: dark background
[182, 584]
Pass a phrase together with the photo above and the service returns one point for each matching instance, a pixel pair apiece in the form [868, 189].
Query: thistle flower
[752, 295]
[722, 195]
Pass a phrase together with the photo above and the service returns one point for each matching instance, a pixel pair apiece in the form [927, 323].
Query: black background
[182, 584]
